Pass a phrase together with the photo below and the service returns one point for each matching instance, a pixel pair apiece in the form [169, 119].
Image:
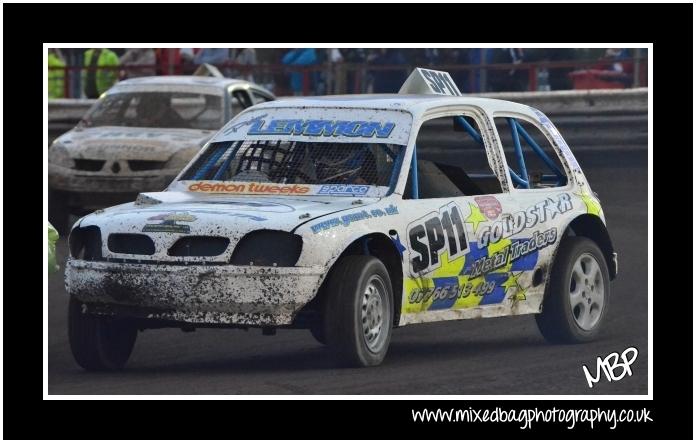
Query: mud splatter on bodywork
[218, 294]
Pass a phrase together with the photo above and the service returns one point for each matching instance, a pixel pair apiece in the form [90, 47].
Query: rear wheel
[578, 295]
[358, 313]
[99, 343]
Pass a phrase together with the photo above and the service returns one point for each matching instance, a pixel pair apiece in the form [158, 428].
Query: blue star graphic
[399, 246]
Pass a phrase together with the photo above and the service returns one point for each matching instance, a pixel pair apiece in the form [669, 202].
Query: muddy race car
[349, 216]
[137, 137]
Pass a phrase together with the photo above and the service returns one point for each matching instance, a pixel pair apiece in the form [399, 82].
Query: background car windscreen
[297, 162]
[158, 110]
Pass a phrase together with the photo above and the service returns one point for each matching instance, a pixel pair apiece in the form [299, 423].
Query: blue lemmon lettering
[322, 128]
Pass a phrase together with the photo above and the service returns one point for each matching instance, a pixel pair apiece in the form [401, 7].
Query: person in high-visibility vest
[96, 81]
[56, 77]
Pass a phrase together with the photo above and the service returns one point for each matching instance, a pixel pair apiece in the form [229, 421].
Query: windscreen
[331, 164]
[157, 110]
[303, 150]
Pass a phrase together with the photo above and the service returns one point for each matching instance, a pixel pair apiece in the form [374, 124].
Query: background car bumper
[66, 179]
[213, 294]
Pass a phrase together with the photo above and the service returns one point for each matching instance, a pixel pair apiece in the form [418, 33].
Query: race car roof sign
[428, 81]
[320, 124]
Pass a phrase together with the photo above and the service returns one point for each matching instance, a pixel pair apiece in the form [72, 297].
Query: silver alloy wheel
[586, 291]
[374, 313]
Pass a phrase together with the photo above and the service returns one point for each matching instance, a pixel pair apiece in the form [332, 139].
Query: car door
[453, 263]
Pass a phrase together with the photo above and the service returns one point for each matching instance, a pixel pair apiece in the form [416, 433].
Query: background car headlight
[267, 248]
[59, 155]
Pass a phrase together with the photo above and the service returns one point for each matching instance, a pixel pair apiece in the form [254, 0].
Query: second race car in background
[137, 137]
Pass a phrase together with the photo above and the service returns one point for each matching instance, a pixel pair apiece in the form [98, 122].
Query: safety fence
[356, 78]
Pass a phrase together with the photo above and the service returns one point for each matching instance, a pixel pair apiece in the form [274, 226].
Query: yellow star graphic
[475, 217]
[592, 204]
[520, 293]
[510, 282]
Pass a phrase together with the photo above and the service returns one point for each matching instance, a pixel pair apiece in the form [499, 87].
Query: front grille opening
[138, 244]
[199, 246]
[145, 165]
[85, 243]
[83, 164]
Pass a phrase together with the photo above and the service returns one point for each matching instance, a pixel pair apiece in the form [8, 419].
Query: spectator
[186, 56]
[168, 60]
[245, 57]
[299, 57]
[56, 77]
[100, 71]
[214, 56]
[389, 80]
[432, 56]
[477, 57]
[354, 56]
[335, 74]
[461, 77]
[616, 57]
[620, 63]
[517, 79]
[142, 60]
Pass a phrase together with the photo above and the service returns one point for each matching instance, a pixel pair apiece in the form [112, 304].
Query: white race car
[311, 213]
[137, 137]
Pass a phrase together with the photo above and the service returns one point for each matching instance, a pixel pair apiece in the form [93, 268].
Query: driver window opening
[452, 161]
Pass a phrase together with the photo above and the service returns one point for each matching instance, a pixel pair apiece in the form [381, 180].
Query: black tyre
[578, 294]
[99, 343]
[317, 331]
[358, 314]
[58, 211]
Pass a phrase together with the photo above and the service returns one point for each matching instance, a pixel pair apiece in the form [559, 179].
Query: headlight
[85, 243]
[58, 155]
[267, 248]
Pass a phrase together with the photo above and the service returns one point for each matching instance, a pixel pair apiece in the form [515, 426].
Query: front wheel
[577, 299]
[358, 314]
[99, 343]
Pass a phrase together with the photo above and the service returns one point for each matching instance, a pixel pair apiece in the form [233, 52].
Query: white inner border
[649, 396]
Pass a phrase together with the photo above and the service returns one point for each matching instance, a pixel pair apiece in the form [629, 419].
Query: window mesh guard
[292, 162]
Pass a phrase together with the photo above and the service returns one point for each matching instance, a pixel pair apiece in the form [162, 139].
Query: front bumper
[66, 179]
[206, 294]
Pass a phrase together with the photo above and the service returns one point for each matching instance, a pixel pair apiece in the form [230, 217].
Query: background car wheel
[99, 343]
[58, 211]
[578, 296]
[358, 313]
